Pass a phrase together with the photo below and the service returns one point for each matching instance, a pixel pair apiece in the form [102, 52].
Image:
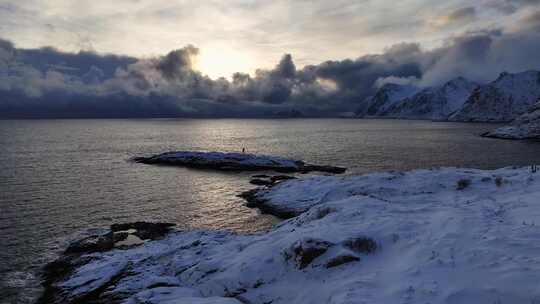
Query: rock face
[436, 103]
[396, 237]
[234, 162]
[526, 126]
[501, 100]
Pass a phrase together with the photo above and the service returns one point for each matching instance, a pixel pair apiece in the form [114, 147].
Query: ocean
[62, 178]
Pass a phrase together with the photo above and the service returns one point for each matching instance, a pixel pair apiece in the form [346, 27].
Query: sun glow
[223, 62]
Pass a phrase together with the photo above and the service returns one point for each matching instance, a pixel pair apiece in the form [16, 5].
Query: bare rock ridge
[235, 162]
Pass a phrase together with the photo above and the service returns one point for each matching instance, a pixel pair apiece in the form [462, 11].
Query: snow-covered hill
[526, 126]
[436, 103]
[501, 100]
[441, 236]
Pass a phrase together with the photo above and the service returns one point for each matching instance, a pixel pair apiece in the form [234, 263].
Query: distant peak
[458, 82]
[504, 74]
[459, 79]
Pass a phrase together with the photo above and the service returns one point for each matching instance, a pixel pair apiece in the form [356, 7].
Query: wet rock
[277, 178]
[260, 182]
[145, 230]
[270, 180]
[93, 243]
[328, 169]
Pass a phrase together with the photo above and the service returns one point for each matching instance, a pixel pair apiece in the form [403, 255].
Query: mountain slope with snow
[387, 96]
[436, 103]
[501, 100]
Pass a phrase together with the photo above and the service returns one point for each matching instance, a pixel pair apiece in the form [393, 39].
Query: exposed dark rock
[270, 180]
[277, 178]
[260, 176]
[304, 251]
[260, 182]
[341, 259]
[361, 245]
[94, 243]
[145, 230]
[329, 169]
[462, 184]
[321, 212]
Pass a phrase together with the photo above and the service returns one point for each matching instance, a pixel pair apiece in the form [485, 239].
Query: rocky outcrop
[526, 126]
[234, 162]
[79, 252]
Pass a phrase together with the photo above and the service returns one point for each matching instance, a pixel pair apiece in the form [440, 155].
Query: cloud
[46, 82]
[508, 7]
[411, 81]
[531, 22]
[459, 16]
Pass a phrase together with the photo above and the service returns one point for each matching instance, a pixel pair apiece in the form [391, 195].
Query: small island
[235, 162]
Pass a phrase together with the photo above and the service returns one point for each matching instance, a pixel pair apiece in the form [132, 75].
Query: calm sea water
[61, 177]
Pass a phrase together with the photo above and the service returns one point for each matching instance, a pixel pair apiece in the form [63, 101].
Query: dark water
[60, 177]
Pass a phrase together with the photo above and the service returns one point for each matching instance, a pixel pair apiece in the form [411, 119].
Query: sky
[243, 35]
[316, 55]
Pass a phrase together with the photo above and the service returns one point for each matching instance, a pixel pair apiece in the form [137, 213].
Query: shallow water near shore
[61, 177]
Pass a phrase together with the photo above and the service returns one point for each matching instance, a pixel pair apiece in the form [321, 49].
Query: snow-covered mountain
[501, 100]
[387, 96]
[433, 103]
[526, 126]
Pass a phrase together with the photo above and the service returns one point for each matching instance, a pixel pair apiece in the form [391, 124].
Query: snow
[401, 237]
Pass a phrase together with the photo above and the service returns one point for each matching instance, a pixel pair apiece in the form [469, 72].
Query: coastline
[428, 235]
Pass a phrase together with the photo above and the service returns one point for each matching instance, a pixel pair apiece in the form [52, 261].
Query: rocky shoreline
[234, 162]
[79, 253]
